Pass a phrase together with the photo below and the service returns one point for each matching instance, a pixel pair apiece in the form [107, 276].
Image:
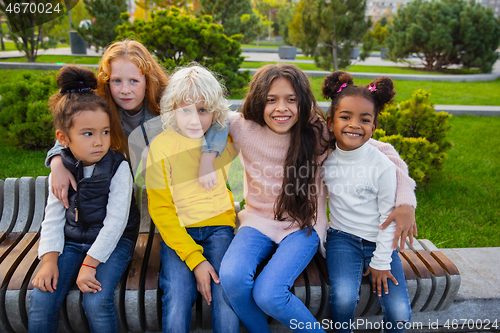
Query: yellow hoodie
[176, 198]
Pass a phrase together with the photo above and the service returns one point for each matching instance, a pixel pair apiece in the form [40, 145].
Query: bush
[418, 133]
[24, 114]
[177, 39]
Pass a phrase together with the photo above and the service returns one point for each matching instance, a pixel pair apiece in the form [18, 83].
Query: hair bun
[334, 81]
[384, 91]
[76, 78]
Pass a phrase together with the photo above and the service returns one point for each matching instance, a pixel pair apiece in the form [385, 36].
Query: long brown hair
[156, 78]
[77, 93]
[306, 142]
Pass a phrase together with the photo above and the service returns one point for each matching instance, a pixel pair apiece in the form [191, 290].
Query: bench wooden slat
[8, 266]
[8, 244]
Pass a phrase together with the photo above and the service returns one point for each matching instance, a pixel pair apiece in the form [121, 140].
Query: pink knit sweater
[262, 154]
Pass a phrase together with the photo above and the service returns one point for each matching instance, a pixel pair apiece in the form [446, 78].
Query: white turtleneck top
[362, 191]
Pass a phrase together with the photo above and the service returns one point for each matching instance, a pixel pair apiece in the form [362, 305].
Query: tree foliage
[106, 14]
[330, 29]
[177, 39]
[284, 17]
[229, 13]
[60, 27]
[259, 30]
[444, 33]
[25, 24]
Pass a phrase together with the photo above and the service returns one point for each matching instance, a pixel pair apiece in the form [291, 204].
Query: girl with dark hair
[280, 144]
[92, 241]
[361, 183]
[283, 141]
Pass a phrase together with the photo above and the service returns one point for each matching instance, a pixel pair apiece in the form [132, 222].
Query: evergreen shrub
[24, 114]
[418, 133]
[177, 39]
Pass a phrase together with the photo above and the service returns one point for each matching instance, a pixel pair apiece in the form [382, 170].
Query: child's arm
[86, 281]
[163, 211]
[204, 274]
[380, 264]
[46, 278]
[51, 243]
[61, 177]
[379, 280]
[406, 202]
[214, 144]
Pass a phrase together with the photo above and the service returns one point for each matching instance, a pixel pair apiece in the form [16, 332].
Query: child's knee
[230, 276]
[95, 304]
[270, 297]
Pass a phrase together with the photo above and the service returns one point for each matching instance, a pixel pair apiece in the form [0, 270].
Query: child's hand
[404, 216]
[379, 278]
[204, 273]
[86, 280]
[61, 178]
[208, 177]
[46, 278]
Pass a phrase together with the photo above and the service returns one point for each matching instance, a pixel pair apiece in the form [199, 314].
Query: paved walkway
[251, 55]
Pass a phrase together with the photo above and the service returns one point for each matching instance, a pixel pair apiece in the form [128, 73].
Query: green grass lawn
[48, 58]
[263, 44]
[16, 162]
[460, 208]
[10, 46]
[366, 69]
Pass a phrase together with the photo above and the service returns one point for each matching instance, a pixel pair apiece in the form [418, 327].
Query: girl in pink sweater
[283, 140]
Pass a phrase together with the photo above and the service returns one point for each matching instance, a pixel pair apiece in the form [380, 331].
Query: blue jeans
[268, 293]
[179, 283]
[347, 258]
[99, 307]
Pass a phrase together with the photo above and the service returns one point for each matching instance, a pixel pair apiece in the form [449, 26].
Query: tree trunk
[1, 42]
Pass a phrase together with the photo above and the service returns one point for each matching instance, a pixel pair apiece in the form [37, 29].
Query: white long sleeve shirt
[117, 210]
[362, 191]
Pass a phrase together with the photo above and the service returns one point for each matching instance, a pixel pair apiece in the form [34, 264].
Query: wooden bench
[432, 279]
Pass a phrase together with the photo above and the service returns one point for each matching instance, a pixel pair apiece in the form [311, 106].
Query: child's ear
[62, 138]
[329, 123]
[374, 128]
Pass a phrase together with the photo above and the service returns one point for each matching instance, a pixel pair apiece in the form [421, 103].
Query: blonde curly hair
[191, 85]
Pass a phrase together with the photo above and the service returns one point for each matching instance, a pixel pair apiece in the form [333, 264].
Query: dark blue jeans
[99, 307]
[347, 258]
[270, 292]
[179, 283]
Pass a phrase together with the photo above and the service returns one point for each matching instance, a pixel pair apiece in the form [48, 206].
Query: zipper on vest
[76, 206]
